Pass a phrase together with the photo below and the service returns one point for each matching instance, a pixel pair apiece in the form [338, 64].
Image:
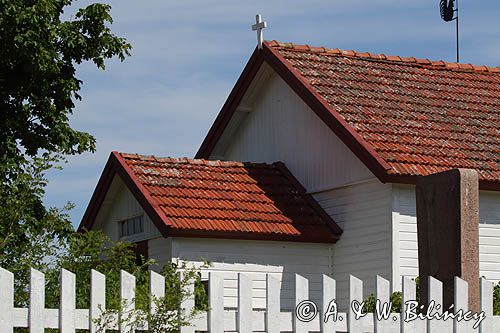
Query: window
[132, 226]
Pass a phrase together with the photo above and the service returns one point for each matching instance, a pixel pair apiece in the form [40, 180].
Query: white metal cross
[259, 26]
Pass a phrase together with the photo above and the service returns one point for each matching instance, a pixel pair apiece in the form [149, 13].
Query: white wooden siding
[489, 232]
[120, 204]
[284, 259]
[404, 205]
[363, 211]
[160, 249]
[281, 127]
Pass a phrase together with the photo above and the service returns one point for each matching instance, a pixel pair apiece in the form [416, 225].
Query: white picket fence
[245, 319]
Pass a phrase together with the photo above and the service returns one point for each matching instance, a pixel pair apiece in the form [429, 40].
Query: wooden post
[273, 304]
[97, 299]
[188, 304]
[127, 294]
[355, 294]
[37, 302]
[216, 303]
[409, 295]
[6, 301]
[157, 290]
[383, 293]
[329, 293]
[68, 302]
[448, 232]
[461, 303]
[244, 303]
[486, 306]
[301, 294]
[435, 294]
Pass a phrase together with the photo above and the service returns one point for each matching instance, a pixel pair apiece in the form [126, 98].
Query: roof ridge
[438, 64]
[195, 161]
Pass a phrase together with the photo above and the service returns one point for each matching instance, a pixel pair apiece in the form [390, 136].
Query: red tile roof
[403, 117]
[194, 197]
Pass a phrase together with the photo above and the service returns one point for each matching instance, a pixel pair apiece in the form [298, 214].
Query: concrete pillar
[448, 232]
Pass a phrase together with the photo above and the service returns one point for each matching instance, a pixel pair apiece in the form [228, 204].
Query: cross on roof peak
[259, 26]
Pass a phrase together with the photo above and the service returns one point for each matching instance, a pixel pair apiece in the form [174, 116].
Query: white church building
[310, 169]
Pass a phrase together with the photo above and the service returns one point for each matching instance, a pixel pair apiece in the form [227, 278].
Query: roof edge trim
[309, 199]
[116, 165]
[327, 114]
[232, 102]
[484, 185]
[251, 236]
[299, 85]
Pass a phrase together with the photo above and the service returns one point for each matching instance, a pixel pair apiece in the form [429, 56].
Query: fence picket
[68, 302]
[273, 304]
[461, 302]
[216, 303]
[37, 301]
[409, 295]
[382, 287]
[6, 301]
[127, 293]
[355, 295]
[486, 301]
[436, 295]
[188, 303]
[244, 319]
[244, 303]
[301, 294]
[97, 299]
[157, 290]
[329, 294]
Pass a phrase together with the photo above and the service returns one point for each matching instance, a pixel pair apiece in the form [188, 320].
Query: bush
[396, 300]
[496, 299]
[94, 250]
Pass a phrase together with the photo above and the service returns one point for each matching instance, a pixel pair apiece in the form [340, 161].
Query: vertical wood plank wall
[489, 232]
[281, 127]
[282, 259]
[363, 211]
[120, 204]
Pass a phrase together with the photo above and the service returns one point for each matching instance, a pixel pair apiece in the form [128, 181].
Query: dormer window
[132, 226]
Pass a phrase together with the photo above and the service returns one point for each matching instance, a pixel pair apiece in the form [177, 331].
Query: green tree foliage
[39, 53]
[85, 251]
[40, 49]
[396, 300]
[38, 76]
[496, 300]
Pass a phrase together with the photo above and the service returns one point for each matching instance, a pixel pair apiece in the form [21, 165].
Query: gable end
[324, 111]
[116, 166]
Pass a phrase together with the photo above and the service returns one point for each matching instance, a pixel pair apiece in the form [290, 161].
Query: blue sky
[187, 56]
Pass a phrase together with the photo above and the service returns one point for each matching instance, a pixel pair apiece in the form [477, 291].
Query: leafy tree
[85, 251]
[39, 54]
[37, 67]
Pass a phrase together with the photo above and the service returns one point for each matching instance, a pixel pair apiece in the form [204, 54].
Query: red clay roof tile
[241, 198]
[420, 116]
